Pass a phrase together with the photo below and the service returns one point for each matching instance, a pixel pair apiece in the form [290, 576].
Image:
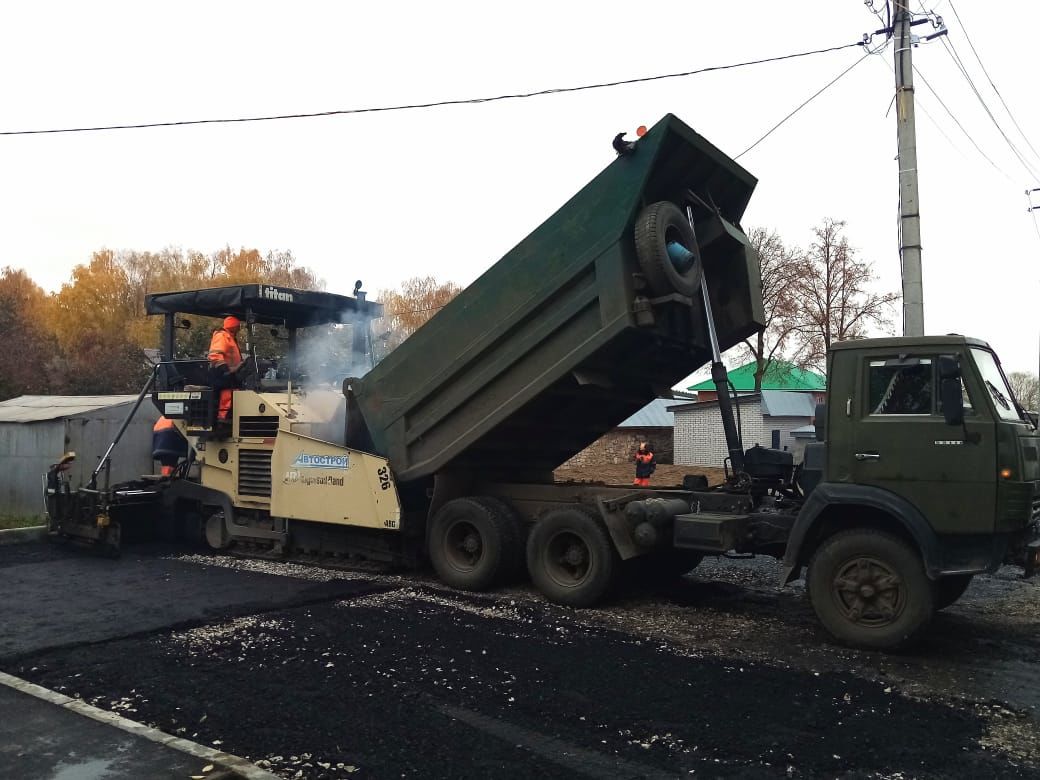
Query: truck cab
[924, 446]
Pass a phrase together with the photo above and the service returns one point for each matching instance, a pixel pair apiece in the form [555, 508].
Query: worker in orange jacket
[168, 445]
[645, 465]
[225, 358]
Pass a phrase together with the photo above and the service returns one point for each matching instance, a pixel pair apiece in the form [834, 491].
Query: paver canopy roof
[270, 304]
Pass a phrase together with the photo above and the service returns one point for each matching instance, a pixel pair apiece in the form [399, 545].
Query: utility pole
[906, 135]
[1032, 213]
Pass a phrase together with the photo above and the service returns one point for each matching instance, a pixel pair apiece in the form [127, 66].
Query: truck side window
[900, 386]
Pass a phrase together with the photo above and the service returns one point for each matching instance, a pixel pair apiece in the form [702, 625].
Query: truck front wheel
[475, 543]
[870, 590]
[570, 557]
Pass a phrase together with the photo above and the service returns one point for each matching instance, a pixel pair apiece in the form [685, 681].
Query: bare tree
[834, 303]
[1026, 388]
[781, 268]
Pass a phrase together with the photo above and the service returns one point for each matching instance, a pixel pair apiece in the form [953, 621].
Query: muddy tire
[658, 225]
[949, 589]
[869, 589]
[506, 517]
[571, 558]
[475, 543]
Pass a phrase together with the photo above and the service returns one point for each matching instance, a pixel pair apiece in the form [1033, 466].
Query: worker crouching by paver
[645, 465]
[168, 445]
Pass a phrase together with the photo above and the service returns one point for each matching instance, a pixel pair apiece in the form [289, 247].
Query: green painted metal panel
[949, 473]
[779, 376]
[545, 352]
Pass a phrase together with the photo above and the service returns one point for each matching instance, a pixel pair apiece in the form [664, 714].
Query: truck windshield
[996, 385]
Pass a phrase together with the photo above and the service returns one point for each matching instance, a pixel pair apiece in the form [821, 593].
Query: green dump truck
[926, 471]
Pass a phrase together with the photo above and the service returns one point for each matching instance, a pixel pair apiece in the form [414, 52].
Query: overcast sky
[446, 191]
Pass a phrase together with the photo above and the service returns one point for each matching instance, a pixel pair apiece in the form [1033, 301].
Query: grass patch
[19, 521]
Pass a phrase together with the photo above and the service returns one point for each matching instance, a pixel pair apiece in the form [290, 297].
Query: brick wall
[700, 441]
[619, 446]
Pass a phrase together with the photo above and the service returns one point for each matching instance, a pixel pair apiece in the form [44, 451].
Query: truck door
[902, 444]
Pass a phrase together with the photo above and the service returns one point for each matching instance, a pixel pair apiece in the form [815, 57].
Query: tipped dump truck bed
[561, 339]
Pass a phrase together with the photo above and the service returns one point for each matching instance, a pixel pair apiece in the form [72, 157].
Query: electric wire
[414, 311]
[927, 113]
[958, 123]
[812, 97]
[974, 51]
[885, 22]
[951, 50]
[431, 104]
[1032, 212]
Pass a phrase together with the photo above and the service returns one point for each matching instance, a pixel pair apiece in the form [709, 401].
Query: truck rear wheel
[475, 543]
[949, 589]
[657, 226]
[571, 558]
[869, 589]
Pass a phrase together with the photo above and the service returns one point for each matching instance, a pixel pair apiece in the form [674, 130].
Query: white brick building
[767, 418]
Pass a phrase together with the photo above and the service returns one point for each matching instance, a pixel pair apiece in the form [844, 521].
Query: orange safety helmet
[232, 323]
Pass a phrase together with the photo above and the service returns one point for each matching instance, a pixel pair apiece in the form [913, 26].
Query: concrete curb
[32, 533]
[242, 767]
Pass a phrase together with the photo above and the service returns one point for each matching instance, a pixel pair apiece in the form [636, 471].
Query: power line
[985, 107]
[988, 78]
[414, 311]
[432, 104]
[886, 20]
[924, 110]
[958, 123]
[952, 51]
[812, 97]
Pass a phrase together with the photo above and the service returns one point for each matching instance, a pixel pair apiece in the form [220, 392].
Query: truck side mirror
[952, 400]
[951, 394]
[820, 421]
[949, 367]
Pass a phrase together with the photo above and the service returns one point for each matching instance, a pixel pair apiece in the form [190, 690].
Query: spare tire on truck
[475, 543]
[571, 557]
[657, 226]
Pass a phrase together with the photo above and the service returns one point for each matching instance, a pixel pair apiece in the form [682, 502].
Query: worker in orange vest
[225, 358]
[645, 465]
[168, 446]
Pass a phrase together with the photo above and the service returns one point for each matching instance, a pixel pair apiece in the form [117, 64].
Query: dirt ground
[624, 473]
[717, 675]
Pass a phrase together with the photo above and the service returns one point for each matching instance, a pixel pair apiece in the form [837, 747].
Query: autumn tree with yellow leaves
[90, 336]
[28, 343]
[409, 307]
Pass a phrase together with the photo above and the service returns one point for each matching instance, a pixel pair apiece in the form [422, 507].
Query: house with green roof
[779, 376]
[778, 416]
